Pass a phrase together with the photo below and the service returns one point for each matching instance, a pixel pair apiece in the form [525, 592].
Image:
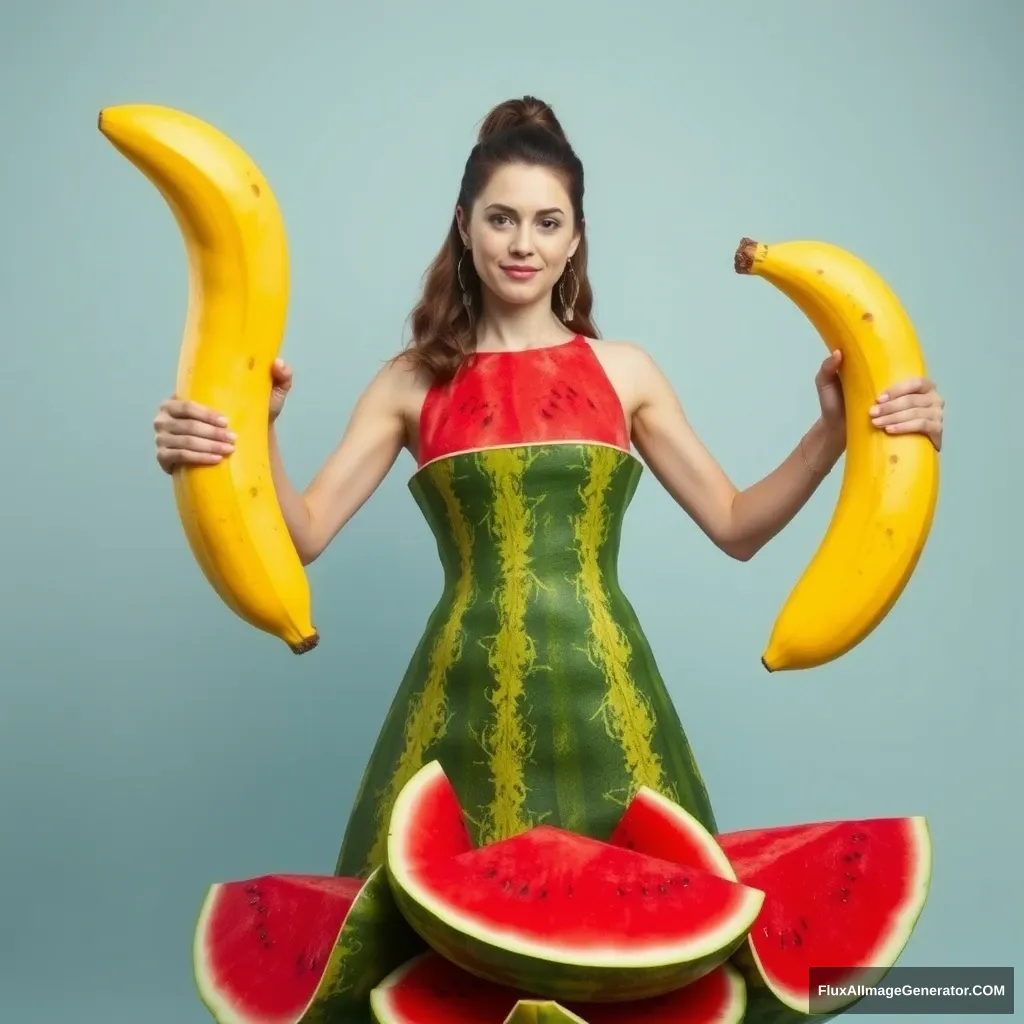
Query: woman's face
[521, 233]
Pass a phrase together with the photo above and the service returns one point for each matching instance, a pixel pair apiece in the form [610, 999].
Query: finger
[903, 416]
[830, 364]
[916, 425]
[186, 442]
[913, 401]
[181, 457]
[281, 371]
[908, 386]
[180, 409]
[197, 429]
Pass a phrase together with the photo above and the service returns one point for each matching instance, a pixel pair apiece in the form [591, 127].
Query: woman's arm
[740, 522]
[368, 449]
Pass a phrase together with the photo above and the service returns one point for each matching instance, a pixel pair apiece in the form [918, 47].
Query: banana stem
[747, 254]
[305, 645]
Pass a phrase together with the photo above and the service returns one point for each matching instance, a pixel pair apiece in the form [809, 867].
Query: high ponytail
[518, 131]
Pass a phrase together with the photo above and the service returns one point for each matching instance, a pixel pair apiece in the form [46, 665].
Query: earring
[467, 299]
[568, 309]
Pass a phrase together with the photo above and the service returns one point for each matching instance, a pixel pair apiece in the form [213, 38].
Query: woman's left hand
[911, 406]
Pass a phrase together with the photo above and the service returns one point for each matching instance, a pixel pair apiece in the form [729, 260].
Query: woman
[533, 683]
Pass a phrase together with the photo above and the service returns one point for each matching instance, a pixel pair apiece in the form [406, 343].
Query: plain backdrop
[150, 743]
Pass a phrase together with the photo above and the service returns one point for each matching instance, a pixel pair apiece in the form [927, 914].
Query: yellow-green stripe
[511, 652]
[626, 712]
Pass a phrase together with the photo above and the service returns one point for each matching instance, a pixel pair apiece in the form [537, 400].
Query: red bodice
[558, 393]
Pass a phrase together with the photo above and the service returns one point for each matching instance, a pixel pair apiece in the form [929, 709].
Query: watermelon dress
[533, 683]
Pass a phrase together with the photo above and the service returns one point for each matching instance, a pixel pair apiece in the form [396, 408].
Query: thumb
[281, 374]
[830, 364]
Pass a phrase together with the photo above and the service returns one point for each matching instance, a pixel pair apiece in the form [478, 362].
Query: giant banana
[890, 483]
[237, 255]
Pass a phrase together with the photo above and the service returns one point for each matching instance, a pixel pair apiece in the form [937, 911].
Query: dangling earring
[467, 299]
[568, 310]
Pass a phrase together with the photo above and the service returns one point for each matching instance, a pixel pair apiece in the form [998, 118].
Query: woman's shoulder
[623, 354]
[398, 385]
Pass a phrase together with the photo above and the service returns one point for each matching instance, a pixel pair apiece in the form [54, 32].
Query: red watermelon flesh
[431, 990]
[269, 950]
[658, 827]
[240, 941]
[841, 895]
[433, 826]
[553, 890]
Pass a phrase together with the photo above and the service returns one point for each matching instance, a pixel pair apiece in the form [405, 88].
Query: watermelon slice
[557, 914]
[283, 949]
[654, 825]
[432, 990]
[842, 897]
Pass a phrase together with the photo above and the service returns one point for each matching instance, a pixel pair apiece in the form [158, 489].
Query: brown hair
[523, 131]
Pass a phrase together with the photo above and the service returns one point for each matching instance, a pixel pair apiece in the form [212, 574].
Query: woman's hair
[519, 131]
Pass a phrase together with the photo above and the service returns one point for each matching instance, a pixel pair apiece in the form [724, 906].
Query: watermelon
[842, 897]
[429, 989]
[555, 913]
[659, 828]
[533, 683]
[283, 949]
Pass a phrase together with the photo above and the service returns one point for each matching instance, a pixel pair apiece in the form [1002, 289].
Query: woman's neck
[503, 328]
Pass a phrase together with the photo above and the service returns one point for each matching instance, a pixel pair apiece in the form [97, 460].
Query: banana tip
[767, 667]
[306, 643]
[746, 255]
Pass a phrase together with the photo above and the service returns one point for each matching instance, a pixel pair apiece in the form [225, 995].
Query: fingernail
[232, 436]
[222, 421]
[873, 411]
[883, 397]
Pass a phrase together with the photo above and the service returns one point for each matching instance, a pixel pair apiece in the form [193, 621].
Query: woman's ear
[577, 238]
[460, 220]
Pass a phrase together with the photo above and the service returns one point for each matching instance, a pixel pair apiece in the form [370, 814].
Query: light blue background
[150, 743]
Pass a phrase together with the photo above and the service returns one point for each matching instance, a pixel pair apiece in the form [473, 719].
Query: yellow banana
[890, 483]
[238, 296]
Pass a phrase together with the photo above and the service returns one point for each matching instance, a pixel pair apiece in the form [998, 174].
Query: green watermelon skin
[533, 683]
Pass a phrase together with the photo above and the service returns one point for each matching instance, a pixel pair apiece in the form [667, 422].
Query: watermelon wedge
[842, 897]
[657, 827]
[554, 913]
[285, 949]
[431, 990]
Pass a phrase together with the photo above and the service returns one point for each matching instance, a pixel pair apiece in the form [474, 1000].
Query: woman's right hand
[189, 434]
